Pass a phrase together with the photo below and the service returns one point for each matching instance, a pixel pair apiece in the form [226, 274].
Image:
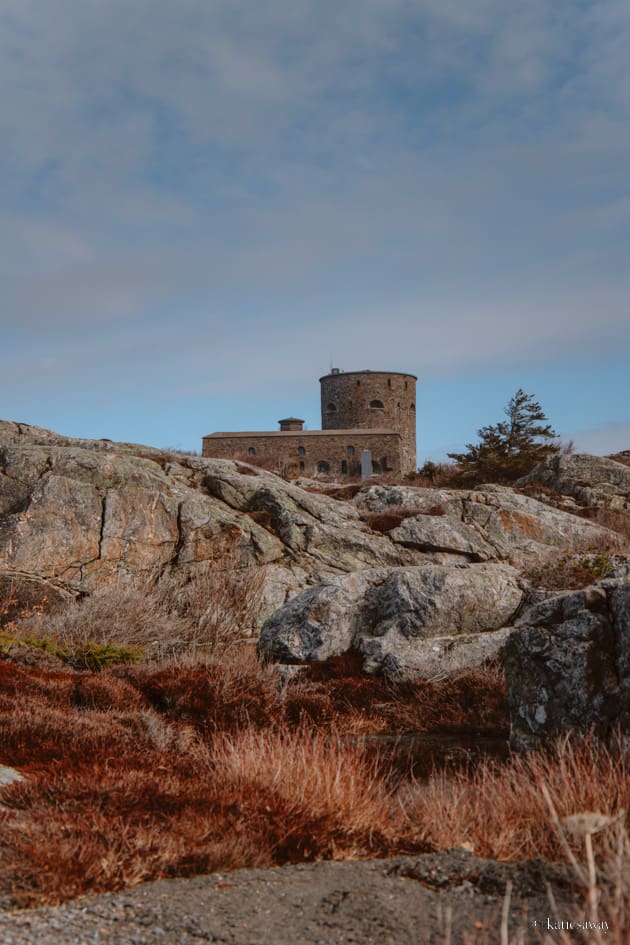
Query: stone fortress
[361, 410]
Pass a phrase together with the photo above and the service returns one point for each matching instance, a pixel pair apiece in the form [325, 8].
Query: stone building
[361, 410]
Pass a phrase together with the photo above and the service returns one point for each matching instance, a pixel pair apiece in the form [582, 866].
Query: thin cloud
[440, 181]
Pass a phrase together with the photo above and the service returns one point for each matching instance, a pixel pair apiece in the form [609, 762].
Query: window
[323, 466]
[358, 383]
[301, 451]
[350, 450]
[251, 451]
[405, 385]
[331, 408]
[413, 407]
[377, 405]
[301, 465]
[344, 468]
[389, 382]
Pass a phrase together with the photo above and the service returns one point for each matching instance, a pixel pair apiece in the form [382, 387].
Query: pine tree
[510, 448]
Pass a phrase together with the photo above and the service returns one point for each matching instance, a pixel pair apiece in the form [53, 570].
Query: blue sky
[204, 203]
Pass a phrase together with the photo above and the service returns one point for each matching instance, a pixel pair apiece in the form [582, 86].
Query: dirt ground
[402, 901]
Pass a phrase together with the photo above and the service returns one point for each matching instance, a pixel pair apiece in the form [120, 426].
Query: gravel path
[403, 901]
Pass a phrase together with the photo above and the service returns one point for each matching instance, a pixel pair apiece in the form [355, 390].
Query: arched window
[405, 385]
[344, 468]
[301, 465]
[301, 451]
[323, 467]
[331, 408]
[251, 451]
[377, 405]
[389, 382]
[413, 407]
[350, 450]
[358, 383]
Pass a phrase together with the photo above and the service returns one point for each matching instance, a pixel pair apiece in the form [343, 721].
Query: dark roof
[291, 420]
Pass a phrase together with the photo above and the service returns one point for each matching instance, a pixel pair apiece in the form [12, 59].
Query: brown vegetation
[500, 811]
[141, 773]
[571, 573]
[538, 490]
[617, 520]
[205, 761]
[186, 614]
[385, 521]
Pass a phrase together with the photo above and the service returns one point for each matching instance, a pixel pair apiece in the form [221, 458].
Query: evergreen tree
[510, 448]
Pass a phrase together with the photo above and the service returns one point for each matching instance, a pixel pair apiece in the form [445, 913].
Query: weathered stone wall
[285, 452]
[349, 401]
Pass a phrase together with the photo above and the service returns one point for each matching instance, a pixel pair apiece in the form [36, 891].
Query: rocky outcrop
[591, 480]
[567, 663]
[76, 515]
[404, 621]
[434, 592]
[485, 524]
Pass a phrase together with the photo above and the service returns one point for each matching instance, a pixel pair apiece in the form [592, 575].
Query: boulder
[591, 480]
[437, 657]
[567, 664]
[617, 588]
[392, 616]
[318, 623]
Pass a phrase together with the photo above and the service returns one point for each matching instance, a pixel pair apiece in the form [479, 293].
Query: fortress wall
[281, 451]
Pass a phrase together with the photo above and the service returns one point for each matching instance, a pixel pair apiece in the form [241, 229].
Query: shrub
[571, 573]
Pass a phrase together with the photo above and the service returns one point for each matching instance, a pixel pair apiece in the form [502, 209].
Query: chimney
[291, 424]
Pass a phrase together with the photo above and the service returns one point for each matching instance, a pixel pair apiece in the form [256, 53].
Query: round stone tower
[372, 400]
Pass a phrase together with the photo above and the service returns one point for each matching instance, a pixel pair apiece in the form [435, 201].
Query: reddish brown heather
[500, 810]
[140, 773]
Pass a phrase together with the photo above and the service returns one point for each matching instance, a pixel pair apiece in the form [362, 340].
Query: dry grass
[617, 520]
[186, 614]
[144, 772]
[603, 881]
[501, 811]
[571, 573]
[115, 798]
[214, 695]
[336, 694]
